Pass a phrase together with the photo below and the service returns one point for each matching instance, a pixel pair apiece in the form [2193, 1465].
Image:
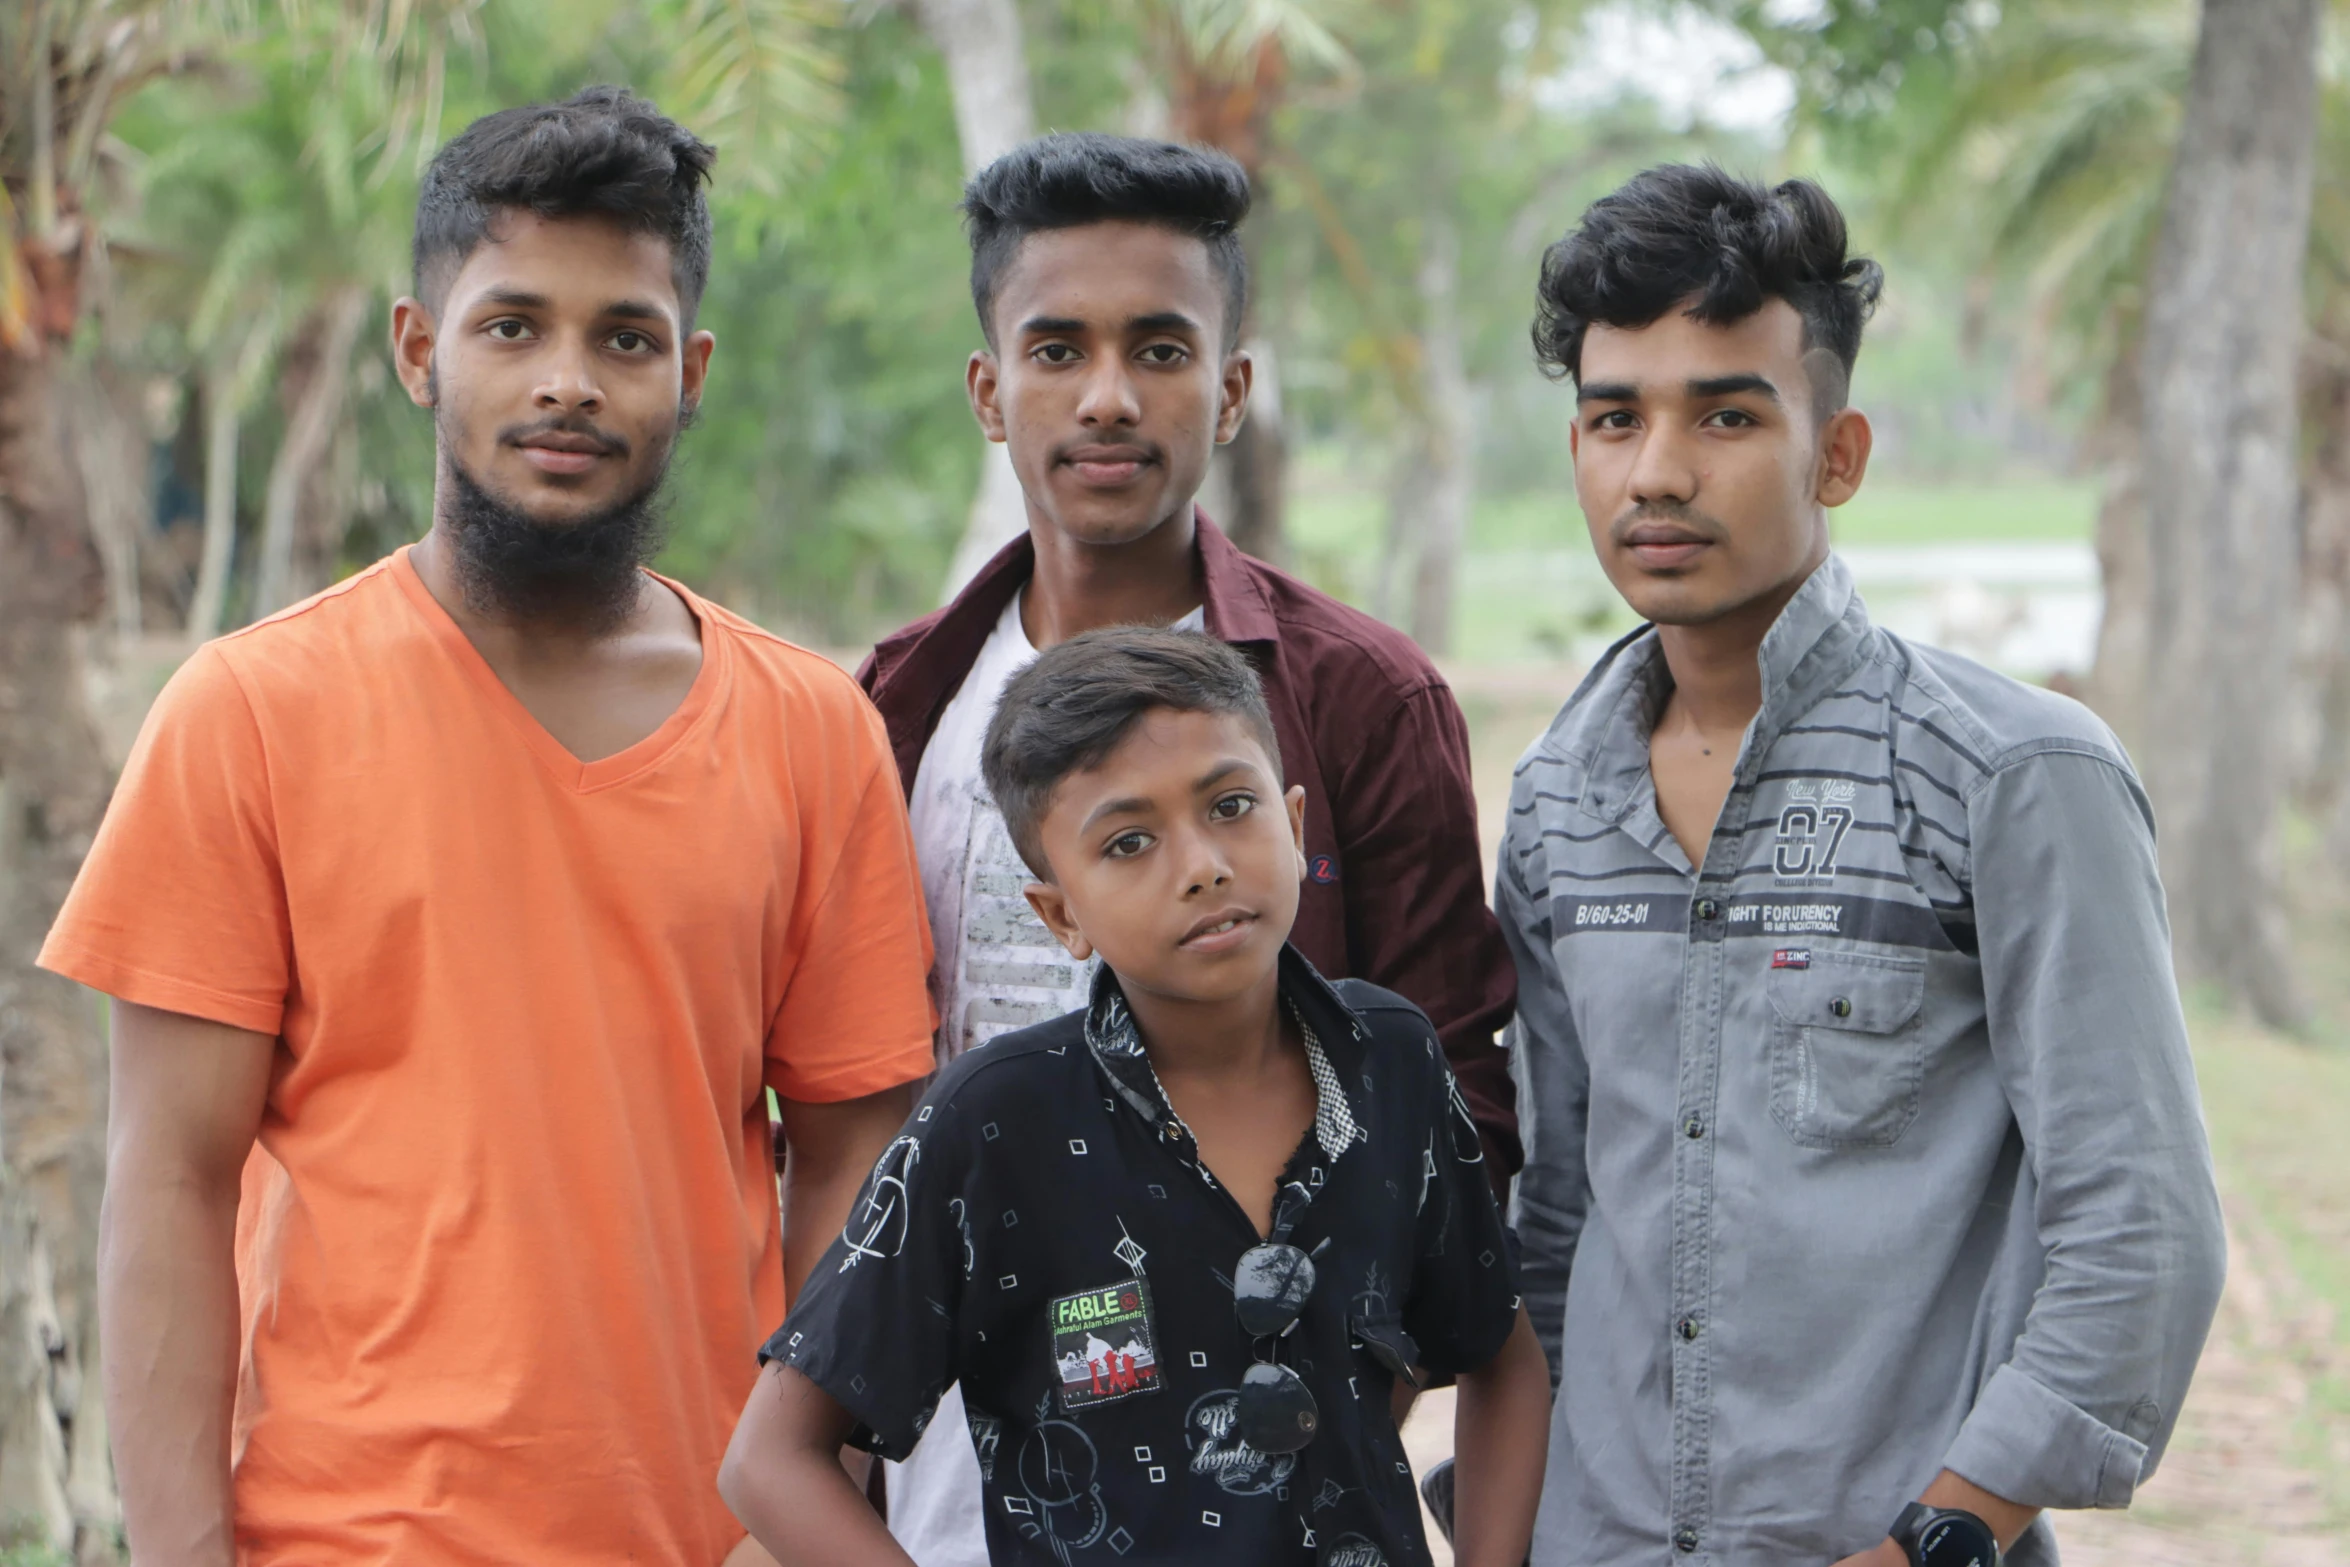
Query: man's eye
[508, 330]
[1165, 354]
[1735, 419]
[1056, 353]
[1232, 807]
[1614, 419]
[1127, 845]
[632, 342]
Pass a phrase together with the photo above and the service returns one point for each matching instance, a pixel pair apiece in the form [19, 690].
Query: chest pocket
[1848, 1060]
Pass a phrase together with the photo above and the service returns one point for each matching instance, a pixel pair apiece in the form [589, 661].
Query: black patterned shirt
[1042, 1231]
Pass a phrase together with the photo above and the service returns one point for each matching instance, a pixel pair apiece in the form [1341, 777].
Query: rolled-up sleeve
[1553, 1193]
[2091, 1049]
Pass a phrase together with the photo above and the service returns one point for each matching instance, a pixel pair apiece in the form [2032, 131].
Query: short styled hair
[1072, 178]
[1698, 236]
[604, 152]
[1081, 698]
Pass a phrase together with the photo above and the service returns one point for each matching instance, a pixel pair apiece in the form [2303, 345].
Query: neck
[507, 638]
[1154, 580]
[1717, 666]
[1235, 1039]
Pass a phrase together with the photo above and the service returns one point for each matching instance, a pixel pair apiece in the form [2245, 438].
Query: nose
[1108, 401]
[569, 384]
[1205, 867]
[1663, 473]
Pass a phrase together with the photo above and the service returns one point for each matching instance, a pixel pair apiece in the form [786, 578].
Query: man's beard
[582, 575]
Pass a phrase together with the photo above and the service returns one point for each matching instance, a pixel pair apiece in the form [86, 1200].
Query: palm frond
[759, 78]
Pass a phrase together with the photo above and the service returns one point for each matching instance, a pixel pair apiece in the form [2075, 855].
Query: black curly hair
[1072, 178]
[603, 152]
[1697, 236]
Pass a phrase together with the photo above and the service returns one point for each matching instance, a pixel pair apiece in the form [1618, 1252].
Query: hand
[1883, 1554]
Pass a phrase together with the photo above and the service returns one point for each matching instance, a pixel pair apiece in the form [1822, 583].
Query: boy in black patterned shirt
[1178, 1247]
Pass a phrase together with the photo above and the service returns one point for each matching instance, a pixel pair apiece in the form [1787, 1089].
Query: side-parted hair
[1080, 699]
[604, 152]
[1697, 236]
[1072, 178]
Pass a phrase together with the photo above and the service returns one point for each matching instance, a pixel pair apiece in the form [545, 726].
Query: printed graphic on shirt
[1060, 1500]
[1011, 972]
[1352, 1550]
[987, 1433]
[1812, 825]
[877, 1225]
[1105, 1344]
[1791, 957]
[1211, 1429]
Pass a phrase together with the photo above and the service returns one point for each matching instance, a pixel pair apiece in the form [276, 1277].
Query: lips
[1106, 467]
[1221, 930]
[562, 451]
[1663, 545]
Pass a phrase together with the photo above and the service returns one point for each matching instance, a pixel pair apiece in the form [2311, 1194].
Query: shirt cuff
[2023, 1443]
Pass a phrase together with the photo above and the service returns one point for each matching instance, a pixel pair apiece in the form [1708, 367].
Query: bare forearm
[829, 1149]
[1501, 1428]
[785, 1483]
[167, 1313]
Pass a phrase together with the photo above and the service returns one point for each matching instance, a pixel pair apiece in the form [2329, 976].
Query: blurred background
[2110, 383]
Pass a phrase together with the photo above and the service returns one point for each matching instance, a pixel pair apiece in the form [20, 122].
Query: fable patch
[1106, 1344]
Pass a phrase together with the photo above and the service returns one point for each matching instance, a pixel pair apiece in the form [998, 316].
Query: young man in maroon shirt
[1109, 282]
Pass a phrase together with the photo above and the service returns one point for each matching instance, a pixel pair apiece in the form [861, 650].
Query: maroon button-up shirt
[1394, 890]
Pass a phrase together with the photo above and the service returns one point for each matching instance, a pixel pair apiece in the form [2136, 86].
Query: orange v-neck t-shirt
[509, 1260]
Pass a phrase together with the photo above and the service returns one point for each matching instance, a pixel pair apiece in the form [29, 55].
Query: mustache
[607, 443]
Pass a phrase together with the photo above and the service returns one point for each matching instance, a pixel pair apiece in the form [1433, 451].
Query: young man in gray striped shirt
[1864, 1163]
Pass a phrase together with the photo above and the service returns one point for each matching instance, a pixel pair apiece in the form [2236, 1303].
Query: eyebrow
[1134, 802]
[1607, 392]
[1731, 385]
[1163, 321]
[1052, 324]
[524, 299]
[1221, 771]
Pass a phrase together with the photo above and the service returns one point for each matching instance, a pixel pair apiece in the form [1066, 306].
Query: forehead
[1109, 273]
[1165, 755]
[586, 260]
[1675, 348]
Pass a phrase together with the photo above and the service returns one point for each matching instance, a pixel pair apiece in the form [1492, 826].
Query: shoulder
[315, 654]
[801, 694]
[891, 650]
[1394, 1029]
[1345, 646]
[1964, 724]
[1013, 1073]
[1561, 755]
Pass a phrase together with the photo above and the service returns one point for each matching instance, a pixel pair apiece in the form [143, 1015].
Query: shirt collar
[1333, 1033]
[1817, 640]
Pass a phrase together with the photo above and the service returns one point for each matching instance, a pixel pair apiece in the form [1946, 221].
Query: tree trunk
[1444, 438]
[220, 506]
[315, 402]
[110, 452]
[2223, 326]
[53, 786]
[2323, 756]
[995, 111]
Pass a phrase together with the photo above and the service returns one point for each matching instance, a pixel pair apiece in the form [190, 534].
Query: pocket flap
[1862, 992]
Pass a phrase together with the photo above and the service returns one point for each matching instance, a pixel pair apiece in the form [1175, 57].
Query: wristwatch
[1945, 1537]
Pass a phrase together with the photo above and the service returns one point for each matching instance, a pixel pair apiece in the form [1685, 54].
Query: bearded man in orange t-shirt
[488, 893]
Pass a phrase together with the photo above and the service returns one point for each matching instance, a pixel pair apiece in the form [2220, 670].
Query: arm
[1501, 1430]
[186, 1103]
[2007, 1520]
[783, 1478]
[2085, 1029]
[1406, 821]
[1554, 1100]
[829, 1150]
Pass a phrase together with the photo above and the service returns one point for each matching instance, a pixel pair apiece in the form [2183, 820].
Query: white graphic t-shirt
[996, 969]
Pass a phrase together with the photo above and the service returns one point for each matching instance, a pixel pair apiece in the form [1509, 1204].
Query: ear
[695, 367]
[1844, 456]
[980, 383]
[1240, 376]
[413, 336]
[1052, 906]
[1295, 800]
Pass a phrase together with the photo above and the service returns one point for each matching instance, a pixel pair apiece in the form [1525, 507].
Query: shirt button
[1708, 909]
[1840, 1007]
[1685, 1541]
[1694, 1127]
[1686, 1327]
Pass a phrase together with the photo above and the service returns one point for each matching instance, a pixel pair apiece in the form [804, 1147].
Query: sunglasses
[1269, 1291]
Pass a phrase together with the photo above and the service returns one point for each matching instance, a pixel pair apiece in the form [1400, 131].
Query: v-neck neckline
[567, 769]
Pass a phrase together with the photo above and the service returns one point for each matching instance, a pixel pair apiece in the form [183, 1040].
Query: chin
[1106, 524]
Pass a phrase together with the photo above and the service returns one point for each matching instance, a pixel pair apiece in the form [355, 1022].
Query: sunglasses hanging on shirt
[1270, 1288]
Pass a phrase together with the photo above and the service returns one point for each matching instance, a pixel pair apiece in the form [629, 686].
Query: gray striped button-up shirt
[1871, 1146]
